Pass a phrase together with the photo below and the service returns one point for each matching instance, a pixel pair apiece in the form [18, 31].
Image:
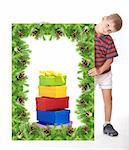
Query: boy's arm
[98, 71]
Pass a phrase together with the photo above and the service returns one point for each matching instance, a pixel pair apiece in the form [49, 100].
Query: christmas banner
[52, 93]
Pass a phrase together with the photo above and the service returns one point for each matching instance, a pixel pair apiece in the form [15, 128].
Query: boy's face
[107, 26]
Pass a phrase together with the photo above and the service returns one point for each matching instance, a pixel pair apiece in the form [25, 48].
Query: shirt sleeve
[111, 50]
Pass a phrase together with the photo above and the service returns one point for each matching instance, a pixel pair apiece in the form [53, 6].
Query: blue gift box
[53, 117]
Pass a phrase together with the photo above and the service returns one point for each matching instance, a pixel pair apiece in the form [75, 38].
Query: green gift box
[52, 80]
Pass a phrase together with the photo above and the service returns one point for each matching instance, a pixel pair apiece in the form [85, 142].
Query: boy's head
[109, 24]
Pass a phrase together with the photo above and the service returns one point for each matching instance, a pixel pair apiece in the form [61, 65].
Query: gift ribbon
[52, 73]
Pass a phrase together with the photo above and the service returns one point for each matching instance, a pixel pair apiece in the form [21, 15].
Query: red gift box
[46, 103]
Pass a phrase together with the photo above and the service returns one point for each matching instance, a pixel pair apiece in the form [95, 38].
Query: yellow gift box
[52, 91]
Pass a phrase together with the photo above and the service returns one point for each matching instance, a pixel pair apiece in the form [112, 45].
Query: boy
[105, 51]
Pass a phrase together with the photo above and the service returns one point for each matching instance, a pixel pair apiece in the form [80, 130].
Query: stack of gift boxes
[52, 101]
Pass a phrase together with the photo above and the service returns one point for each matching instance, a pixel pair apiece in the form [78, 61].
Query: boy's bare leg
[107, 97]
[108, 128]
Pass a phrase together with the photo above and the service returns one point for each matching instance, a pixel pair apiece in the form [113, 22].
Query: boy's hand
[94, 72]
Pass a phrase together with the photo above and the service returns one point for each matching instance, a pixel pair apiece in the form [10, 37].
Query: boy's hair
[117, 21]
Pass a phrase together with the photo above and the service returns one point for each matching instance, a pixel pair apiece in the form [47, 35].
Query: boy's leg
[105, 83]
[107, 97]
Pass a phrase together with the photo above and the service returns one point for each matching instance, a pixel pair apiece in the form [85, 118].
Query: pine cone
[59, 33]
[31, 129]
[19, 134]
[82, 48]
[22, 61]
[21, 100]
[82, 101]
[35, 32]
[21, 76]
[85, 63]
[88, 114]
[23, 115]
[20, 34]
[86, 30]
[86, 129]
[47, 131]
[17, 49]
[84, 86]
[74, 35]
[70, 130]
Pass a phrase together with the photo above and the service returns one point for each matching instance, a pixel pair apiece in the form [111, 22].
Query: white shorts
[104, 80]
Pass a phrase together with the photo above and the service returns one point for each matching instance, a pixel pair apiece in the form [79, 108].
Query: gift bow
[50, 73]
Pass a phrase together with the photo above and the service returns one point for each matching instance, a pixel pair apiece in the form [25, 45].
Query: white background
[57, 55]
[67, 11]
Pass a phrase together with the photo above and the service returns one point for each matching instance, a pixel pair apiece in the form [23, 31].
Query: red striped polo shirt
[104, 49]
